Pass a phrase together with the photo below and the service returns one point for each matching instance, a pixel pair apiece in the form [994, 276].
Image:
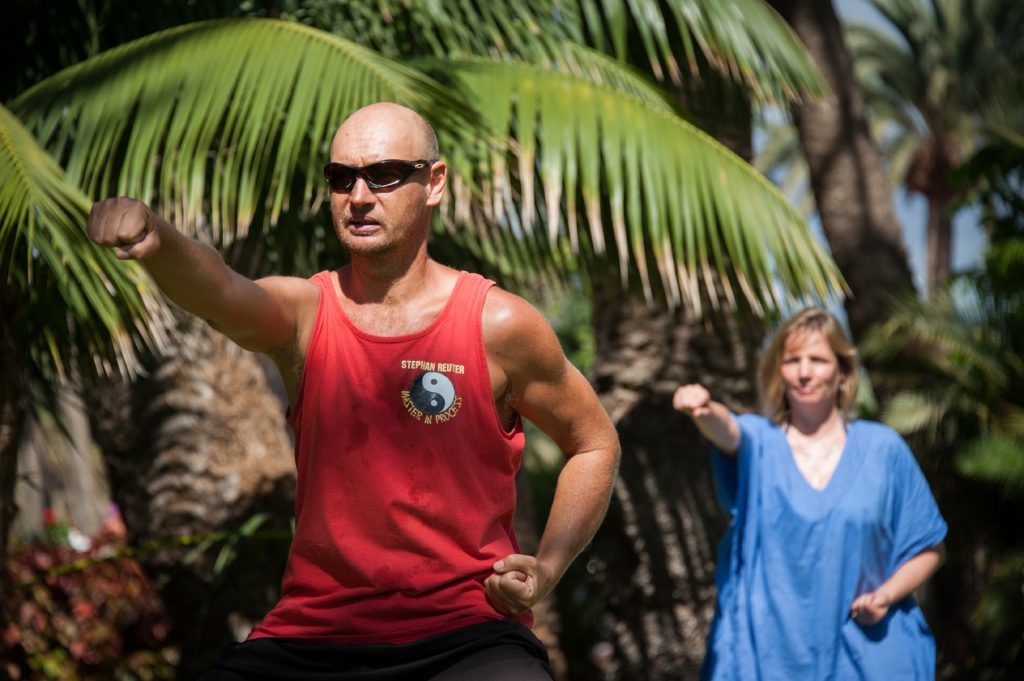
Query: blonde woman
[834, 525]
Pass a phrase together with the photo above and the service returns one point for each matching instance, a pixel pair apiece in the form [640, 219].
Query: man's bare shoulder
[506, 315]
[293, 289]
[516, 333]
[298, 299]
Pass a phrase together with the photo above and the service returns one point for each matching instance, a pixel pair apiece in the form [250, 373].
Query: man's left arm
[546, 389]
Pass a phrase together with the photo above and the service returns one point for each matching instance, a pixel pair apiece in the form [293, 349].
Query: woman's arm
[713, 419]
[870, 608]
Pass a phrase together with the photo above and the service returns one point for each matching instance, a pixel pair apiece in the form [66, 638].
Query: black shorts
[502, 650]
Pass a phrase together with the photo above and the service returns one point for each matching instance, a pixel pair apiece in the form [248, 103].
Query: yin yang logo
[432, 392]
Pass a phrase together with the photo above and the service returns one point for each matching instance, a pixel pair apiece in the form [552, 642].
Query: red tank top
[405, 479]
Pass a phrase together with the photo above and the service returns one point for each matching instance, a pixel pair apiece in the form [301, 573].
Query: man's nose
[361, 194]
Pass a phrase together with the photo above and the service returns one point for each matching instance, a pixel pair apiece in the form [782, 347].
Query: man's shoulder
[508, 316]
[518, 336]
[292, 290]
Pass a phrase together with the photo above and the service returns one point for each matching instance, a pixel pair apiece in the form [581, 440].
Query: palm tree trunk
[656, 549]
[10, 435]
[940, 243]
[851, 189]
[199, 446]
[11, 421]
[87, 498]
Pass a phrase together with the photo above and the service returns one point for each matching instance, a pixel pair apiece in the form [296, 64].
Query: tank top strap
[323, 282]
[468, 299]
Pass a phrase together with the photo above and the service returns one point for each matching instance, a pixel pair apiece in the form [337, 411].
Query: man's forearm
[197, 279]
[191, 274]
[580, 503]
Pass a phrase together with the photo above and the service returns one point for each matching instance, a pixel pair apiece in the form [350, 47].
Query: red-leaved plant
[82, 616]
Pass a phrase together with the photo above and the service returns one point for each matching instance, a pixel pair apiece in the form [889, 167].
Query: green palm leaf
[947, 69]
[687, 35]
[951, 336]
[236, 107]
[72, 297]
[911, 412]
[951, 369]
[770, 60]
[996, 459]
[1003, 117]
[235, 110]
[673, 195]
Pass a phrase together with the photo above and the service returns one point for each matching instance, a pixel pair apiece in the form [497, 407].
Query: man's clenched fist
[126, 225]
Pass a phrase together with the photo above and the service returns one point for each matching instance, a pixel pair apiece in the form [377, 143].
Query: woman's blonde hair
[773, 393]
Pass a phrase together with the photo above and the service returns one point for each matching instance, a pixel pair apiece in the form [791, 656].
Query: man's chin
[364, 245]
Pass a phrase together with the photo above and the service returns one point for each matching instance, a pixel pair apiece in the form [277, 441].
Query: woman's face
[810, 371]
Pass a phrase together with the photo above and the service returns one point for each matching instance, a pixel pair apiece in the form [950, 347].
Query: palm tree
[929, 76]
[563, 159]
[68, 308]
[847, 175]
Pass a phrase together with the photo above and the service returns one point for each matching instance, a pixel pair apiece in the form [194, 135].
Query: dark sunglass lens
[339, 177]
[387, 173]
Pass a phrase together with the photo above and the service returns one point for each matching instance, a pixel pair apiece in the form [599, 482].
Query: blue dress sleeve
[916, 522]
[726, 469]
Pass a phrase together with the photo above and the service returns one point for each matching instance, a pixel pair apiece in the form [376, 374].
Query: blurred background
[665, 180]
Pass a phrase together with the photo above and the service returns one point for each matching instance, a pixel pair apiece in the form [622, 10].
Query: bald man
[407, 384]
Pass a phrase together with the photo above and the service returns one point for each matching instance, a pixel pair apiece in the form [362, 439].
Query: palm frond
[1003, 116]
[884, 64]
[995, 459]
[770, 60]
[916, 411]
[72, 296]
[239, 106]
[953, 372]
[687, 35]
[233, 111]
[654, 188]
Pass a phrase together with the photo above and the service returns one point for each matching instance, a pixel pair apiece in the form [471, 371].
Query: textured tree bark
[85, 489]
[655, 553]
[200, 446]
[940, 242]
[656, 550]
[12, 418]
[851, 189]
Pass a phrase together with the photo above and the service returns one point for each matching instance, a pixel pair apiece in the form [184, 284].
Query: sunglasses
[379, 175]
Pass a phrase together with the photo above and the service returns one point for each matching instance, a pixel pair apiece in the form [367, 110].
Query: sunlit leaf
[74, 297]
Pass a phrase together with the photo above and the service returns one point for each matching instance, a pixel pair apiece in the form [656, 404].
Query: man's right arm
[264, 316]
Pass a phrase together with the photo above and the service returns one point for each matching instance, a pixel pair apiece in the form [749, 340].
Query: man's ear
[437, 182]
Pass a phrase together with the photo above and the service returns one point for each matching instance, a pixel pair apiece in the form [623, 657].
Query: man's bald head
[384, 130]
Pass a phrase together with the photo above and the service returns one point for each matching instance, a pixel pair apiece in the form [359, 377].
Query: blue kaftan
[794, 558]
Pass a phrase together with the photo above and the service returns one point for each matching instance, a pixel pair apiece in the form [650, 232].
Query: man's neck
[386, 279]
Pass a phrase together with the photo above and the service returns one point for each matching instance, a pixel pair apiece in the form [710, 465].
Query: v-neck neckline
[841, 476]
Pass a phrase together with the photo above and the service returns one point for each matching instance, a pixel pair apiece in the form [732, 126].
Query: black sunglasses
[379, 175]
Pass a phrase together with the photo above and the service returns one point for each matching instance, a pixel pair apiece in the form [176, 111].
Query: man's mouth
[362, 224]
